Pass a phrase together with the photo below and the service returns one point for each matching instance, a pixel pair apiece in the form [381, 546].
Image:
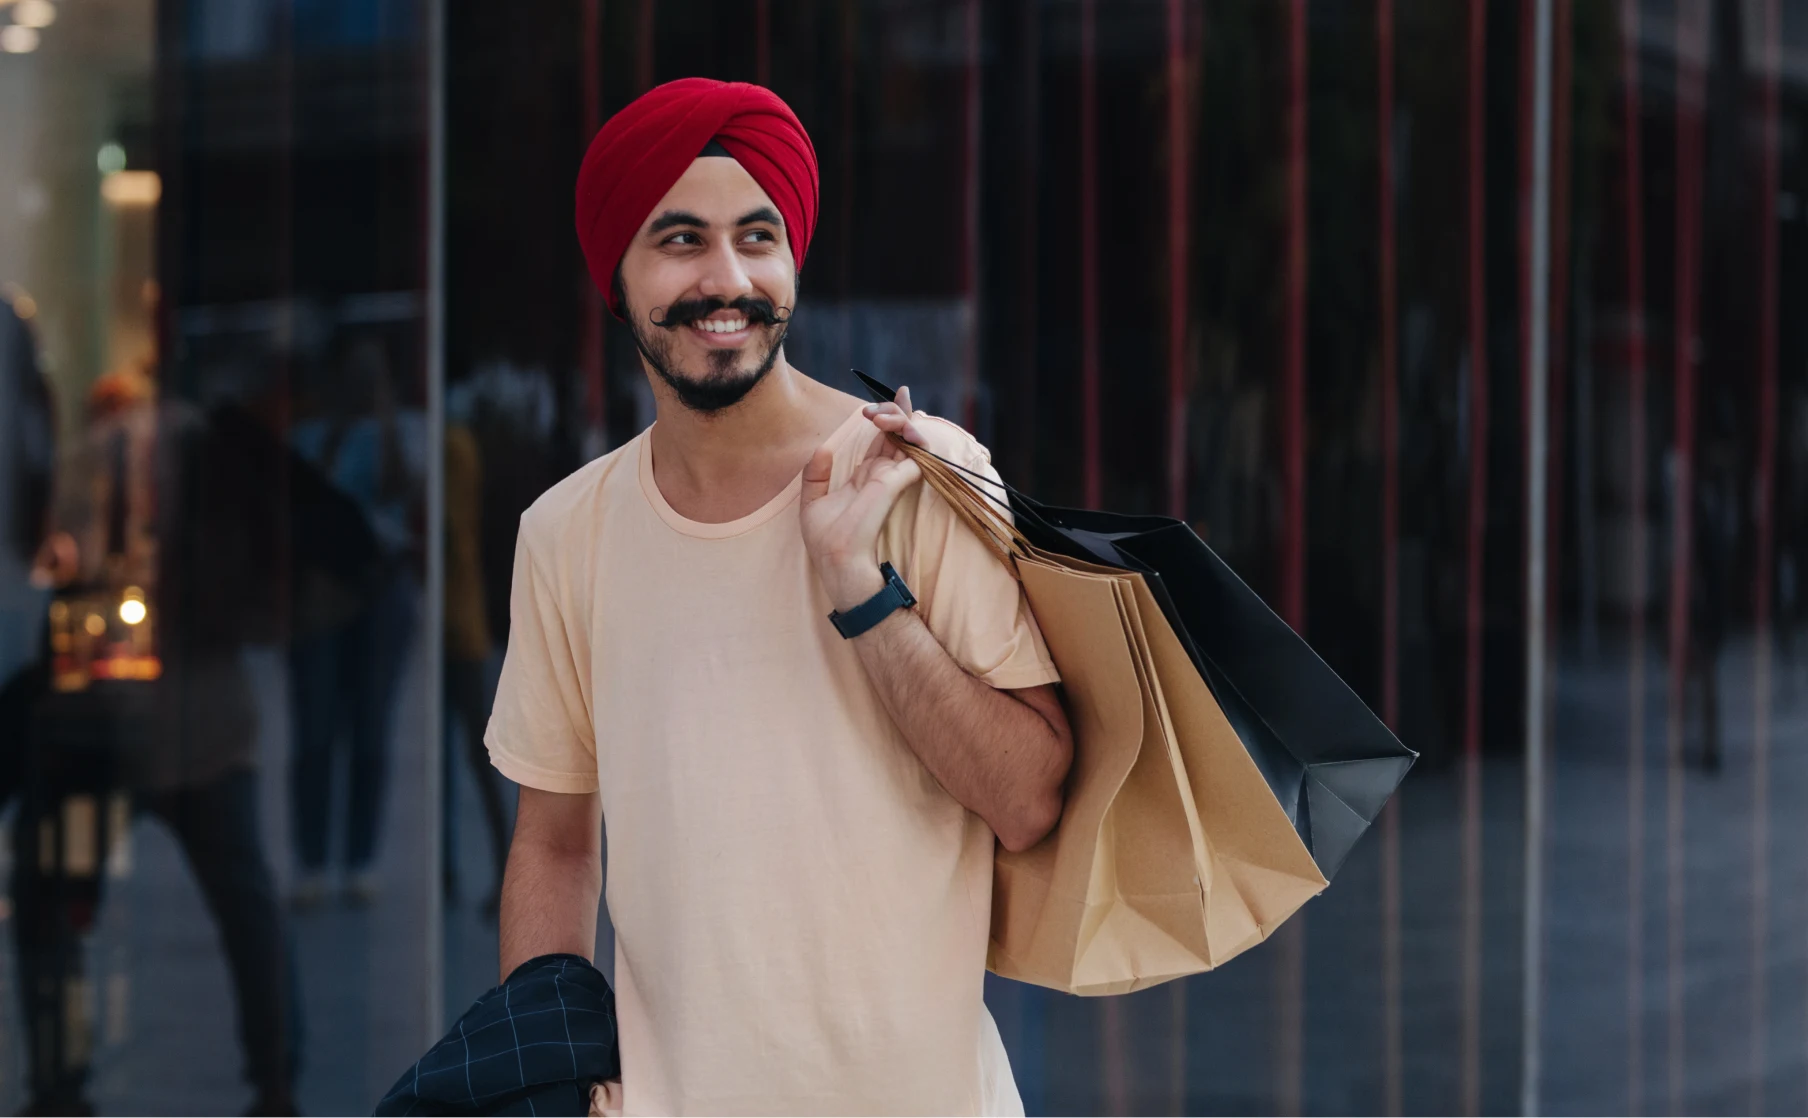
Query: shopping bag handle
[975, 507]
[1025, 506]
[1021, 508]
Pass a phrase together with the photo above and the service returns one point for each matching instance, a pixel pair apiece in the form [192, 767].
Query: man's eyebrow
[671, 219]
[765, 214]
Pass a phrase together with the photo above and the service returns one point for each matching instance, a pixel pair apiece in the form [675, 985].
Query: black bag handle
[884, 395]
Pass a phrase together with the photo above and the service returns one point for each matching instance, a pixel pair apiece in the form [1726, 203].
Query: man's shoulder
[950, 440]
[574, 507]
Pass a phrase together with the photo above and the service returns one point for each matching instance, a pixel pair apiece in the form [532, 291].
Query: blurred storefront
[295, 326]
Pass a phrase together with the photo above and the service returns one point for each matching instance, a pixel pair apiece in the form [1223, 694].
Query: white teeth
[717, 326]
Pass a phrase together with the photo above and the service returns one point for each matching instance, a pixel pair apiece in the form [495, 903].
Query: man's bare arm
[1002, 754]
[554, 878]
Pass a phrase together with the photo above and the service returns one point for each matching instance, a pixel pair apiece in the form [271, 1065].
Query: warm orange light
[95, 624]
[131, 612]
[132, 188]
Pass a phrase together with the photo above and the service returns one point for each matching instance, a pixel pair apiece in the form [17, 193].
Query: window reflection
[214, 453]
[211, 481]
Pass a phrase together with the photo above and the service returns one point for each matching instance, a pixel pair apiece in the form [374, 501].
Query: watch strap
[893, 596]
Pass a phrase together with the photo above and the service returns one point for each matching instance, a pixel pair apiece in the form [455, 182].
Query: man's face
[708, 284]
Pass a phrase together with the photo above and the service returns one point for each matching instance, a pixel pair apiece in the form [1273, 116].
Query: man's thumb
[816, 473]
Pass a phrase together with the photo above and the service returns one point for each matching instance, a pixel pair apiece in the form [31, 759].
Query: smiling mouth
[721, 325]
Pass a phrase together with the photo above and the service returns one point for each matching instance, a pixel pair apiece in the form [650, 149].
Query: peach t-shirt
[801, 910]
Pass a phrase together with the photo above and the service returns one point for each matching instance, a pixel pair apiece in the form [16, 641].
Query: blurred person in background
[470, 651]
[165, 505]
[352, 626]
[27, 457]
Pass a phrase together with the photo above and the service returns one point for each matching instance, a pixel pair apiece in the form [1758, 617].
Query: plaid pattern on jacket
[533, 1045]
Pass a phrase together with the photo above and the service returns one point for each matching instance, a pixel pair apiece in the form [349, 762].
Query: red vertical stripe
[1089, 257]
[762, 42]
[1028, 230]
[1390, 359]
[1562, 67]
[1290, 958]
[1117, 1076]
[643, 53]
[1393, 1075]
[1180, 159]
[1476, 525]
[1690, 44]
[1522, 231]
[969, 396]
[844, 213]
[1633, 207]
[595, 395]
[1766, 539]
[1293, 341]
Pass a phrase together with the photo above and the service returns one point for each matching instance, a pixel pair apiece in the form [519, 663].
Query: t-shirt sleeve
[973, 605]
[540, 731]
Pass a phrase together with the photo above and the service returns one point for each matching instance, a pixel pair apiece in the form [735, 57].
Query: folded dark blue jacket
[532, 1045]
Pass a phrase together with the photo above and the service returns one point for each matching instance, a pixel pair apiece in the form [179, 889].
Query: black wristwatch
[894, 596]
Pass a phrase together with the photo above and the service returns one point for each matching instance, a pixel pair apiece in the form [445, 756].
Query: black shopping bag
[1327, 758]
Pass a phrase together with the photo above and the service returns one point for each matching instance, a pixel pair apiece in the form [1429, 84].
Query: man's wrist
[852, 584]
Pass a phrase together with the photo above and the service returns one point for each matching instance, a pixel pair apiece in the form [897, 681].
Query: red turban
[646, 147]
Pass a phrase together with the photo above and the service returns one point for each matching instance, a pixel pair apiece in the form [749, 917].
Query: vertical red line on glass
[1522, 235]
[1180, 160]
[969, 396]
[1117, 1081]
[1293, 341]
[595, 396]
[1690, 48]
[1290, 956]
[1476, 526]
[1633, 199]
[1393, 1059]
[1023, 407]
[1562, 69]
[762, 42]
[1089, 258]
[844, 214]
[1762, 487]
[643, 49]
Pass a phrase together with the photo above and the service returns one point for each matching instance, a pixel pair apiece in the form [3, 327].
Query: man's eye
[684, 239]
[764, 235]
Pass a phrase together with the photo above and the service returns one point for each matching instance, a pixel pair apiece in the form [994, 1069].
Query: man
[801, 822]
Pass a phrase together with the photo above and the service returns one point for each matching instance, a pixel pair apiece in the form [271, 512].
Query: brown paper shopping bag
[1172, 855]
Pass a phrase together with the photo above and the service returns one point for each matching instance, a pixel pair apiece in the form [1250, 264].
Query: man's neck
[718, 466]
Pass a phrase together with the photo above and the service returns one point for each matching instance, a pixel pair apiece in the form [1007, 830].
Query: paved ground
[1209, 1045]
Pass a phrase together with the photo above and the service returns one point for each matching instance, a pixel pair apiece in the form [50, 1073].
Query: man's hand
[841, 529]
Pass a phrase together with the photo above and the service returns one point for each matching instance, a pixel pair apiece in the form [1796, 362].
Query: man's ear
[615, 288]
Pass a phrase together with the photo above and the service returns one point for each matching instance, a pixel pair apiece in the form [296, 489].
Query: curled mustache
[686, 311]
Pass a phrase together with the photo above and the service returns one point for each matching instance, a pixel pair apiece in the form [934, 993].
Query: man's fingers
[899, 475]
[874, 492]
[897, 419]
[816, 473]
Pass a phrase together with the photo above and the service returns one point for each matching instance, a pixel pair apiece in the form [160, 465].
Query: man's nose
[723, 276]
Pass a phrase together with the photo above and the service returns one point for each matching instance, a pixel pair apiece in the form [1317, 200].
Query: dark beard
[724, 385]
